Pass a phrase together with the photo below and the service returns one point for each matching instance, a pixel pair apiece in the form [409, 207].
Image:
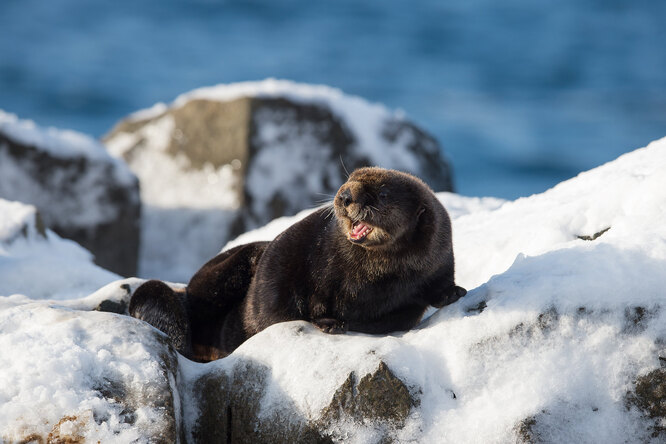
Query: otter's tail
[159, 305]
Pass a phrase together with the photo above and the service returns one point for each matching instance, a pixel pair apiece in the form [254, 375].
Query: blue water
[521, 93]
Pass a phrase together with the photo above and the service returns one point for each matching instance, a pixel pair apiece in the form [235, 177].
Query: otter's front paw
[450, 297]
[330, 325]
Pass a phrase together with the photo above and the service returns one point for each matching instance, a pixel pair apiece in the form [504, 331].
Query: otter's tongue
[359, 230]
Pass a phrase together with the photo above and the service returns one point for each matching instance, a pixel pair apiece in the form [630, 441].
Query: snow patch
[42, 266]
[17, 219]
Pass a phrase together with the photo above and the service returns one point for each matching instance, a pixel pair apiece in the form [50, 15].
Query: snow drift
[36, 263]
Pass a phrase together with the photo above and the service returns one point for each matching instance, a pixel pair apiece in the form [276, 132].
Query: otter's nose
[346, 197]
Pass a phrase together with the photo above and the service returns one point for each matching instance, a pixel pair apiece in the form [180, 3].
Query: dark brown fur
[318, 272]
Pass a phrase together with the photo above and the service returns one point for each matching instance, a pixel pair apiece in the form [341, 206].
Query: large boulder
[222, 160]
[82, 193]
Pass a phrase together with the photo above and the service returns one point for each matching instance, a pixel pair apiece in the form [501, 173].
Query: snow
[42, 265]
[17, 217]
[622, 195]
[149, 113]
[567, 327]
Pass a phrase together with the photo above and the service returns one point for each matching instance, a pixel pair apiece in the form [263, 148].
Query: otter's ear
[422, 220]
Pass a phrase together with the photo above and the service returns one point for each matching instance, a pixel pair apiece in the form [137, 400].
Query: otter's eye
[383, 194]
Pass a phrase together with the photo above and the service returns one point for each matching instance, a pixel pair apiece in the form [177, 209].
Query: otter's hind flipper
[159, 305]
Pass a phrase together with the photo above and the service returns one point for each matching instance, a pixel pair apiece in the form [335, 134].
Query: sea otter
[371, 262]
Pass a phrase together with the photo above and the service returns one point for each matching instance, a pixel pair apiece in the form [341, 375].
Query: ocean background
[522, 94]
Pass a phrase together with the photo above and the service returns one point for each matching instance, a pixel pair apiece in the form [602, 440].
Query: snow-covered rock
[82, 192]
[561, 338]
[36, 262]
[225, 159]
[71, 376]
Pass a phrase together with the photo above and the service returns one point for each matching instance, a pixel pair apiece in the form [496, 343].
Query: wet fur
[314, 272]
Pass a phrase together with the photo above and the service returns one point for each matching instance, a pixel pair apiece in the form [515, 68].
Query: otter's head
[379, 208]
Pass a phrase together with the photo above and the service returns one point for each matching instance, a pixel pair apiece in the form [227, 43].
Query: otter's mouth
[359, 231]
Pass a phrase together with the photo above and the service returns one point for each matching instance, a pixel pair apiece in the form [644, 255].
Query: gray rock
[594, 236]
[229, 410]
[649, 397]
[637, 318]
[366, 400]
[230, 407]
[81, 192]
[525, 431]
[285, 152]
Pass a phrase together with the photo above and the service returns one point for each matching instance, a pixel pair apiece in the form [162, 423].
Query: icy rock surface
[82, 192]
[225, 159]
[560, 339]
